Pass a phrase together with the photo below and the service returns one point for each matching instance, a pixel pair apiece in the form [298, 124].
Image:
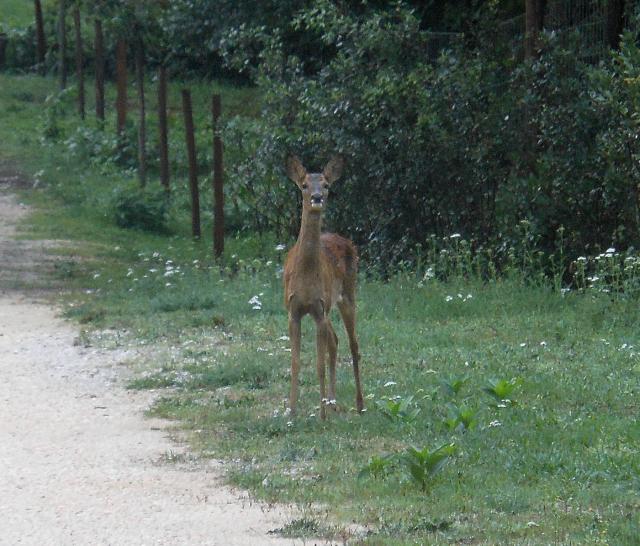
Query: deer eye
[305, 185]
[325, 186]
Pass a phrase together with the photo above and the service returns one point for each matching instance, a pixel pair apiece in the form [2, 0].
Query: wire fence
[584, 20]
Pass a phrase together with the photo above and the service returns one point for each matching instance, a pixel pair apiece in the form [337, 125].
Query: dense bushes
[472, 144]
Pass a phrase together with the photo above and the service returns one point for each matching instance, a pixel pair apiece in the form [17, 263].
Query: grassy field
[530, 392]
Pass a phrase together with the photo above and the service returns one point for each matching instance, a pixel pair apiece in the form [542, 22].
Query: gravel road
[79, 464]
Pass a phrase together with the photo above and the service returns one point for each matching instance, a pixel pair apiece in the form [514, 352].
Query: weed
[399, 410]
[423, 464]
[460, 418]
[501, 391]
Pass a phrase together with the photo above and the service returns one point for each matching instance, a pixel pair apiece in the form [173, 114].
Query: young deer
[320, 270]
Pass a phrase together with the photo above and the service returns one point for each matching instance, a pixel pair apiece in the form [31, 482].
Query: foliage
[501, 390]
[398, 409]
[423, 464]
[475, 143]
[138, 208]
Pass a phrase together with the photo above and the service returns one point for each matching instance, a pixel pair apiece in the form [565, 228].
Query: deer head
[314, 186]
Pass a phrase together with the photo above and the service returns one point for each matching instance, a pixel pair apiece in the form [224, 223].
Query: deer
[320, 270]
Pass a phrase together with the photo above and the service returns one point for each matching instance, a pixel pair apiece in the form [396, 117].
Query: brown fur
[320, 271]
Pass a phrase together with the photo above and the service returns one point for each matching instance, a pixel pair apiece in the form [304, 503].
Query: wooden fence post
[163, 127]
[99, 47]
[62, 43]
[142, 122]
[79, 61]
[193, 166]
[41, 44]
[121, 84]
[218, 188]
[3, 48]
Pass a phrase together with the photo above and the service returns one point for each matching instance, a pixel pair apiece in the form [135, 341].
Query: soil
[79, 462]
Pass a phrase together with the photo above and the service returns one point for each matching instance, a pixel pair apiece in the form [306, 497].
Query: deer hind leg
[332, 348]
[348, 312]
[294, 336]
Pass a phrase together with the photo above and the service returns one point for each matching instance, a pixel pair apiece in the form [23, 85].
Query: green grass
[555, 464]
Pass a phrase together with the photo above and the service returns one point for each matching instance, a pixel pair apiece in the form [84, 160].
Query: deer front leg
[322, 333]
[294, 336]
[332, 348]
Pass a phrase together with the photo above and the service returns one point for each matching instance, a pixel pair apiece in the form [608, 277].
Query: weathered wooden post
[62, 43]
[41, 43]
[79, 60]
[193, 166]
[99, 51]
[142, 122]
[163, 127]
[217, 178]
[3, 48]
[121, 85]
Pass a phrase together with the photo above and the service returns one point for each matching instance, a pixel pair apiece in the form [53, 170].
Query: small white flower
[281, 246]
[448, 298]
[96, 275]
[455, 236]
[496, 423]
[289, 423]
[523, 345]
[543, 343]
[283, 338]
[389, 384]
[287, 412]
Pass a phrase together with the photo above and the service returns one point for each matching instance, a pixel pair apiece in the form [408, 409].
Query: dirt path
[78, 462]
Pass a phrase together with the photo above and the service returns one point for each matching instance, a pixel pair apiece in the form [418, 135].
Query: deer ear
[333, 170]
[295, 170]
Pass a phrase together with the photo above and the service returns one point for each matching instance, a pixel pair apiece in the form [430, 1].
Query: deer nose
[316, 198]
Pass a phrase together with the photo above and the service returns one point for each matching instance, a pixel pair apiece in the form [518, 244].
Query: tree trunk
[62, 43]
[121, 84]
[142, 122]
[79, 59]
[99, 47]
[163, 127]
[41, 44]
[534, 20]
[615, 22]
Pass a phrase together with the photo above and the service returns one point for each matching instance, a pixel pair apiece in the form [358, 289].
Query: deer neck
[309, 238]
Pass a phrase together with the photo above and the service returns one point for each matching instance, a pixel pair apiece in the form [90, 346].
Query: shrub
[141, 209]
[476, 143]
